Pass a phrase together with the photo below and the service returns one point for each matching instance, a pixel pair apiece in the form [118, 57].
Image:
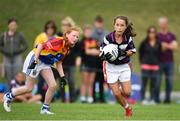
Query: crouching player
[51, 52]
[117, 73]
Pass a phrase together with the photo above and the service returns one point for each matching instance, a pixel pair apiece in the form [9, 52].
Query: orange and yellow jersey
[54, 50]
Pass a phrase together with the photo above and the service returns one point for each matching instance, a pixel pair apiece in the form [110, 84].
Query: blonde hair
[69, 20]
[75, 28]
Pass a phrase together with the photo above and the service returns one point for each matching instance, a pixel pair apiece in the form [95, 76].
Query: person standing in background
[89, 55]
[68, 93]
[12, 45]
[98, 34]
[169, 44]
[149, 57]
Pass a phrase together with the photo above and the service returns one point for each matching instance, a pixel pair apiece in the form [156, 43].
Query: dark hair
[50, 24]
[129, 30]
[87, 26]
[12, 20]
[99, 19]
[151, 27]
[148, 31]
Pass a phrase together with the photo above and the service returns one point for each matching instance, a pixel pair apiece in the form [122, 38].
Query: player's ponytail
[129, 30]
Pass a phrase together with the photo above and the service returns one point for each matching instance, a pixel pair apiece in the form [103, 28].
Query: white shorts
[114, 73]
[33, 72]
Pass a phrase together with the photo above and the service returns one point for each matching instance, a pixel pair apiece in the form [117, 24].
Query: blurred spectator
[69, 64]
[98, 34]
[66, 23]
[3, 89]
[12, 45]
[98, 31]
[169, 44]
[29, 97]
[89, 55]
[149, 56]
[49, 31]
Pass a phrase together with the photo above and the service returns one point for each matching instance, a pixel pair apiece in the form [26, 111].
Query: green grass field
[78, 111]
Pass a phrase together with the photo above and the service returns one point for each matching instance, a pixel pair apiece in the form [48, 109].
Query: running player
[118, 73]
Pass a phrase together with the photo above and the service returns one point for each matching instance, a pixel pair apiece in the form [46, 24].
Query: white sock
[9, 96]
[126, 106]
[45, 107]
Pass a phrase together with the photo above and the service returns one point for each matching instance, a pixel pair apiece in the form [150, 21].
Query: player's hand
[106, 56]
[32, 65]
[101, 55]
[63, 81]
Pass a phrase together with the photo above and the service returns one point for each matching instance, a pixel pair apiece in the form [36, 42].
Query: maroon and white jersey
[126, 44]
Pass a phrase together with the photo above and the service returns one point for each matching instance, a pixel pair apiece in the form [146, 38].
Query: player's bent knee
[53, 86]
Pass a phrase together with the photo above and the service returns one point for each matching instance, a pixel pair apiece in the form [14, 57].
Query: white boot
[7, 102]
[46, 112]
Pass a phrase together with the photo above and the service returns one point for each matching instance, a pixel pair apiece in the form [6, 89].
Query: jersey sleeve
[54, 44]
[105, 42]
[131, 46]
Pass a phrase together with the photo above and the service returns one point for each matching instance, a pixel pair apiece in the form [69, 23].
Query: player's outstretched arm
[60, 68]
[61, 73]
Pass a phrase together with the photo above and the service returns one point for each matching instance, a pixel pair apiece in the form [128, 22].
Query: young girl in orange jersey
[50, 52]
[47, 54]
